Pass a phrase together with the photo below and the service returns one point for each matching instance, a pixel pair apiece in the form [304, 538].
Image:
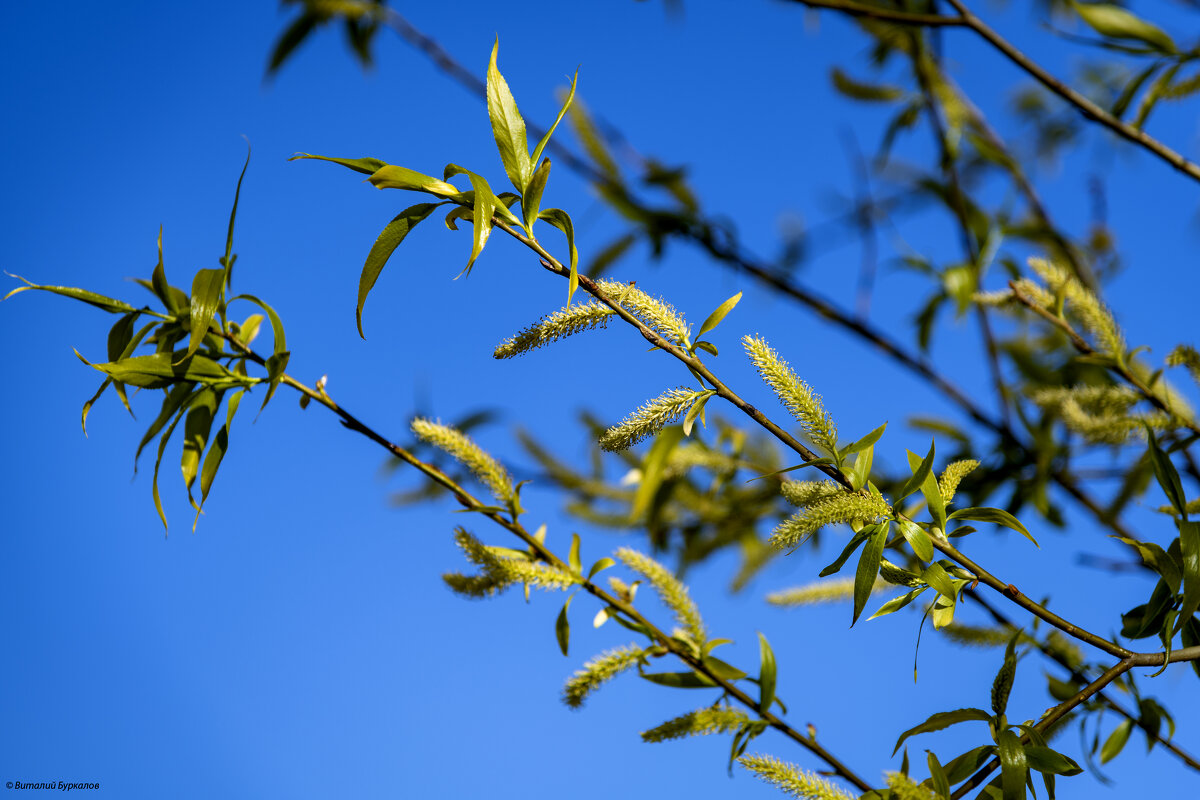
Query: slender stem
[887, 15]
[468, 501]
[1117, 367]
[1085, 106]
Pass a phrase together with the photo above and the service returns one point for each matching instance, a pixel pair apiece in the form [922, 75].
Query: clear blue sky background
[300, 643]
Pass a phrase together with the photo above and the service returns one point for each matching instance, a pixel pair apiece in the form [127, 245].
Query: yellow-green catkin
[1092, 314]
[796, 395]
[670, 589]
[498, 572]
[833, 590]
[975, 636]
[793, 780]
[649, 419]
[461, 447]
[952, 476]
[657, 314]
[719, 719]
[905, 788]
[806, 493]
[551, 328]
[1101, 414]
[843, 507]
[597, 671]
[1185, 355]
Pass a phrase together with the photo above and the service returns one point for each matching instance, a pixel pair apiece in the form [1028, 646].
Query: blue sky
[301, 643]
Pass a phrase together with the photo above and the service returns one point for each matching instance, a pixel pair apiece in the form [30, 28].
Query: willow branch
[471, 503]
[1085, 106]
[886, 14]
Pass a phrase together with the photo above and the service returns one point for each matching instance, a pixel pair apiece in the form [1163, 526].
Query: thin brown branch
[886, 14]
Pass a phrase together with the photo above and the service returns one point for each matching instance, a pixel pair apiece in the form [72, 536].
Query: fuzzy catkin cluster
[670, 589]
[657, 314]
[497, 573]
[1102, 414]
[792, 780]
[805, 493]
[796, 395]
[905, 788]
[597, 671]
[1185, 355]
[833, 590]
[719, 719]
[649, 419]
[560, 324]
[953, 475]
[460, 447]
[1092, 314]
[842, 507]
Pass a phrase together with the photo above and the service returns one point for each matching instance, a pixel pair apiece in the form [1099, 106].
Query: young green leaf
[937, 776]
[918, 539]
[389, 239]
[229, 257]
[1189, 547]
[277, 363]
[391, 176]
[1116, 741]
[1117, 23]
[931, 492]
[868, 569]
[161, 369]
[1013, 767]
[1043, 759]
[766, 675]
[562, 627]
[367, 166]
[537, 151]
[91, 298]
[718, 314]
[652, 469]
[1166, 474]
[573, 558]
[920, 473]
[897, 603]
[531, 200]
[206, 297]
[562, 220]
[864, 443]
[508, 127]
[848, 551]
[696, 411]
[196, 428]
[216, 452]
[680, 680]
[941, 720]
[995, 515]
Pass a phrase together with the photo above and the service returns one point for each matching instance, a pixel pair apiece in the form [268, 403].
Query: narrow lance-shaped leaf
[227, 261]
[920, 473]
[1166, 474]
[865, 442]
[162, 369]
[718, 314]
[162, 446]
[562, 220]
[531, 199]
[1013, 767]
[1116, 22]
[1189, 546]
[170, 405]
[206, 297]
[389, 239]
[508, 127]
[696, 412]
[216, 452]
[91, 298]
[196, 428]
[995, 515]
[931, 492]
[537, 151]
[941, 720]
[868, 568]
[277, 363]
[766, 675]
[1115, 742]
[562, 627]
[652, 469]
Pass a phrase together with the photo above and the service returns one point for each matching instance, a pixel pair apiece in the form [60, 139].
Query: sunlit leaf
[508, 127]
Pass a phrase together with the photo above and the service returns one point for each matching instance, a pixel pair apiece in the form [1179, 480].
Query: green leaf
[600, 566]
[918, 539]
[158, 281]
[1166, 475]
[531, 200]
[1117, 23]
[936, 576]
[277, 363]
[937, 776]
[206, 296]
[508, 127]
[897, 603]
[848, 551]
[562, 628]
[562, 220]
[537, 151]
[195, 435]
[1157, 559]
[960, 768]
[227, 261]
[865, 442]
[860, 472]
[91, 298]
[170, 405]
[931, 491]
[868, 569]
[88, 405]
[573, 557]
[1043, 759]
[1116, 741]
[1189, 547]
[1131, 89]
[389, 239]
[766, 674]
[161, 369]
[723, 670]
[1013, 767]
[680, 680]
[216, 452]
[920, 472]
[718, 314]
[696, 411]
[652, 469]
[394, 177]
[162, 446]
[290, 39]
[942, 720]
[367, 166]
[857, 90]
[997, 516]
